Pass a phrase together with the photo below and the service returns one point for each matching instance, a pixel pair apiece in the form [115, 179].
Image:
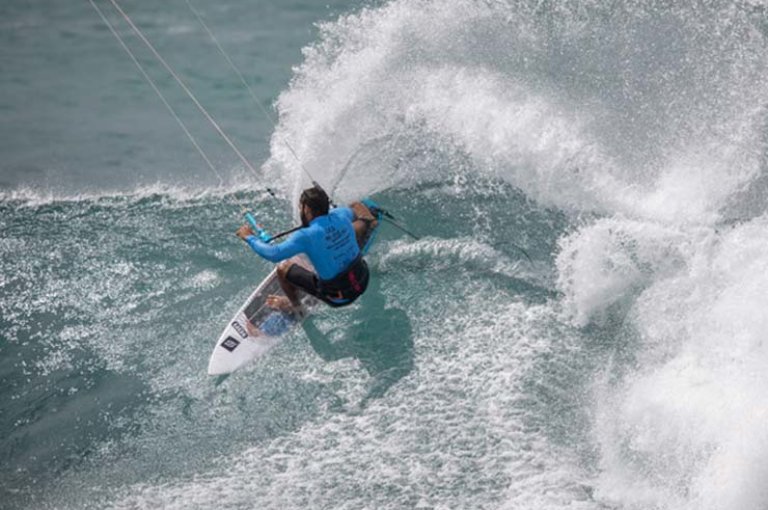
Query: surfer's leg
[361, 229]
[364, 223]
[293, 279]
[291, 292]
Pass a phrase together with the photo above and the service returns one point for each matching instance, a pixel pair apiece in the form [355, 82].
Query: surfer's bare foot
[281, 303]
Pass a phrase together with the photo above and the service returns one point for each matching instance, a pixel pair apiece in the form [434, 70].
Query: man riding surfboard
[332, 240]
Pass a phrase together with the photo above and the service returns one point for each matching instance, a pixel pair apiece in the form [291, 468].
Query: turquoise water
[581, 325]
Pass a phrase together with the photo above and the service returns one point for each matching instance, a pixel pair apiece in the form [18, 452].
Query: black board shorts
[309, 282]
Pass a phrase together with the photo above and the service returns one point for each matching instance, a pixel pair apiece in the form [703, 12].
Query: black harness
[348, 285]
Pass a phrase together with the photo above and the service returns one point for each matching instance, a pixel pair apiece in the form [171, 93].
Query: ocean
[582, 323]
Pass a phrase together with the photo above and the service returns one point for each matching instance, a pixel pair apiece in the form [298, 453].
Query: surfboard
[256, 328]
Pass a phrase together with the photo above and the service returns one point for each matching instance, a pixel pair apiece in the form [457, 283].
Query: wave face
[623, 365]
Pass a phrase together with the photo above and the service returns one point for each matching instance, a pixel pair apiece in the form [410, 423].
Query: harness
[347, 285]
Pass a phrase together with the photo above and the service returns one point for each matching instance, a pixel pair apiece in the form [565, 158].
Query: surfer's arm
[345, 212]
[276, 252]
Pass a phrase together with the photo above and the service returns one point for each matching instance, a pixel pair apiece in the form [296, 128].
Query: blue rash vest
[329, 241]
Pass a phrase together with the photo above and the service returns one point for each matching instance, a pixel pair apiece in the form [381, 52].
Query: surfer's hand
[244, 232]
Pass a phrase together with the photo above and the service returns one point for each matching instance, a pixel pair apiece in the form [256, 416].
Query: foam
[36, 197]
[464, 440]
[673, 431]
[447, 254]
[611, 260]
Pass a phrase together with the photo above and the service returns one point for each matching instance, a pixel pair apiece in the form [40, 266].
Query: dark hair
[316, 199]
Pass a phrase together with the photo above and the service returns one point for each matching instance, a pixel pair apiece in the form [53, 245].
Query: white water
[684, 427]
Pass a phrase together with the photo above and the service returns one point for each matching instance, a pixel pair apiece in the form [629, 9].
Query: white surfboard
[255, 329]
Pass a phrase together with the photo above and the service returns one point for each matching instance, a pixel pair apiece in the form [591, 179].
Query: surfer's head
[313, 203]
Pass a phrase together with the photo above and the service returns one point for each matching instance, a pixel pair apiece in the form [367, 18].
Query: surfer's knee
[283, 268]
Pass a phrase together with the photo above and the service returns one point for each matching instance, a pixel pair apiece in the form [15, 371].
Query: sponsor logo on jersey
[230, 343]
[239, 329]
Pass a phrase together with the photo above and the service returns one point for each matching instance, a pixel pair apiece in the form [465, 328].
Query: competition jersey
[329, 241]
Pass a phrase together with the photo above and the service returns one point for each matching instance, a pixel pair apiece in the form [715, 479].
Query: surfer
[331, 238]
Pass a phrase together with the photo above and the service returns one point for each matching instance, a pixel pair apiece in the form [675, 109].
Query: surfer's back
[330, 243]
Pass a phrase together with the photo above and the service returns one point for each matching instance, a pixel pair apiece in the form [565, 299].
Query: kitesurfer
[331, 238]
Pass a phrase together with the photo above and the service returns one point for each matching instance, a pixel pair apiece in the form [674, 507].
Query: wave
[645, 122]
